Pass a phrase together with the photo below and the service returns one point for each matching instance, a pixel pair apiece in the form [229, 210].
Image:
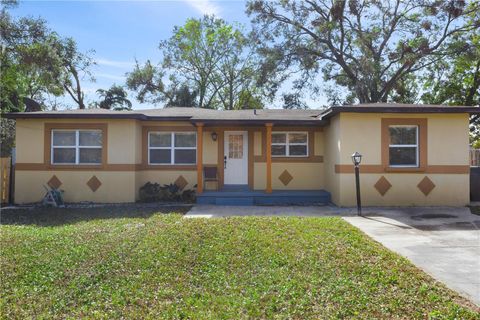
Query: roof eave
[332, 111]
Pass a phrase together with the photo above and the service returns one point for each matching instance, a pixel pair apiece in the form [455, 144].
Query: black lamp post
[356, 159]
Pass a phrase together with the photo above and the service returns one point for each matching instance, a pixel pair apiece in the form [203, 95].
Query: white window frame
[172, 148]
[287, 144]
[416, 165]
[77, 147]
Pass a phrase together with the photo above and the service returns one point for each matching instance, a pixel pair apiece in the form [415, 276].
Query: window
[76, 147]
[172, 148]
[289, 144]
[403, 146]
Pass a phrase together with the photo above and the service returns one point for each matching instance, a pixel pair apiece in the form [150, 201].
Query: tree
[147, 82]
[366, 47]
[210, 57]
[76, 67]
[182, 97]
[248, 100]
[115, 98]
[37, 63]
[293, 101]
[455, 80]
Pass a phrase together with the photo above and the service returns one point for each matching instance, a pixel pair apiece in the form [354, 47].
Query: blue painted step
[238, 201]
[240, 195]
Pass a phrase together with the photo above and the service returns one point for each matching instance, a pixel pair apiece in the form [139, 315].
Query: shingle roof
[252, 116]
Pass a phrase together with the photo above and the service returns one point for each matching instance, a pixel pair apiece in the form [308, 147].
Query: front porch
[241, 196]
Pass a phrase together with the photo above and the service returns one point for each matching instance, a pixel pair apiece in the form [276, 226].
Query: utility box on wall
[475, 183]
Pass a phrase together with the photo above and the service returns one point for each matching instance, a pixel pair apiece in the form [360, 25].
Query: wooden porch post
[269, 156]
[199, 158]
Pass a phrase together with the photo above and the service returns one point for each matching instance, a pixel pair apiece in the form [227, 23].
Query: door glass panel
[235, 146]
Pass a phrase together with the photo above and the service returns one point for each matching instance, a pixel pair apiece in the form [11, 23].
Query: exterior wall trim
[422, 141]
[145, 130]
[47, 145]
[377, 168]
[311, 146]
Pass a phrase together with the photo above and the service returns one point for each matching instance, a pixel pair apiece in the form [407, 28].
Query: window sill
[169, 167]
[75, 166]
[404, 169]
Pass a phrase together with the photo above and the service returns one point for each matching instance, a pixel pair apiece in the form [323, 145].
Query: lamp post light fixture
[214, 136]
[356, 159]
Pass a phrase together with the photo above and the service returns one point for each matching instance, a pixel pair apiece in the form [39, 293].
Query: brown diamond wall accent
[285, 177]
[94, 183]
[426, 186]
[382, 185]
[54, 182]
[181, 182]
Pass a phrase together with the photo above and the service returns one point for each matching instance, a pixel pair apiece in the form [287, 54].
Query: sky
[121, 31]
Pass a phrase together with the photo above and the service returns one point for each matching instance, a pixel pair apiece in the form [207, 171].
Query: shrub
[153, 192]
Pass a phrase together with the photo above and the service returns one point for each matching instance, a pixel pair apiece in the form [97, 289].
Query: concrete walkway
[443, 242]
[214, 211]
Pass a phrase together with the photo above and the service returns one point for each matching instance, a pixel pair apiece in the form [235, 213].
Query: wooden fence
[5, 179]
[475, 157]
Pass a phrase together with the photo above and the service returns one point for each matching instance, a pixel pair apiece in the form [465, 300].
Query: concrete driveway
[444, 242]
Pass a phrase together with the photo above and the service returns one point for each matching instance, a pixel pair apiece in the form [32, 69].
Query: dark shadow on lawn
[48, 217]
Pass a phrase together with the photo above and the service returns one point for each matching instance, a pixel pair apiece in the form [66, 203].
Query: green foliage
[147, 82]
[367, 48]
[115, 98]
[182, 97]
[35, 62]
[138, 263]
[153, 192]
[211, 58]
[455, 80]
[248, 100]
[7, 137]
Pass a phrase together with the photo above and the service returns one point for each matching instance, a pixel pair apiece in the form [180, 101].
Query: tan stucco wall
[331, 157]
[122, 139]
[450, 190]
[305, 176]
[116, 186]
[346, 133]
[210, 149]
[257, 143]
[260, 176]
[447, 137]
[447, 145]
[29, 138]
[319, 144]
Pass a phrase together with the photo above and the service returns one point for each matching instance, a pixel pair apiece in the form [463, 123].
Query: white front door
[236, 157]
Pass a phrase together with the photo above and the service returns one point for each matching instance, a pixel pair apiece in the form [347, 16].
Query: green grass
[134, 263]
[475, 210]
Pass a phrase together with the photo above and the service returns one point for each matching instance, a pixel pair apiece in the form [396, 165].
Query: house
[412, 154]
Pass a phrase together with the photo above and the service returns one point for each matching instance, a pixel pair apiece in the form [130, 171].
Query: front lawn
[105, 265]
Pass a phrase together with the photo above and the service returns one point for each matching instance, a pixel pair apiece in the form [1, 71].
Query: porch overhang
[261, 123]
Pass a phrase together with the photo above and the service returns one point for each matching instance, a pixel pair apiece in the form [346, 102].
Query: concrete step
[284, 197]
[237, 201]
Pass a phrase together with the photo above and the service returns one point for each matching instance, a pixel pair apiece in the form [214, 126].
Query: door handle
[225, 162]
